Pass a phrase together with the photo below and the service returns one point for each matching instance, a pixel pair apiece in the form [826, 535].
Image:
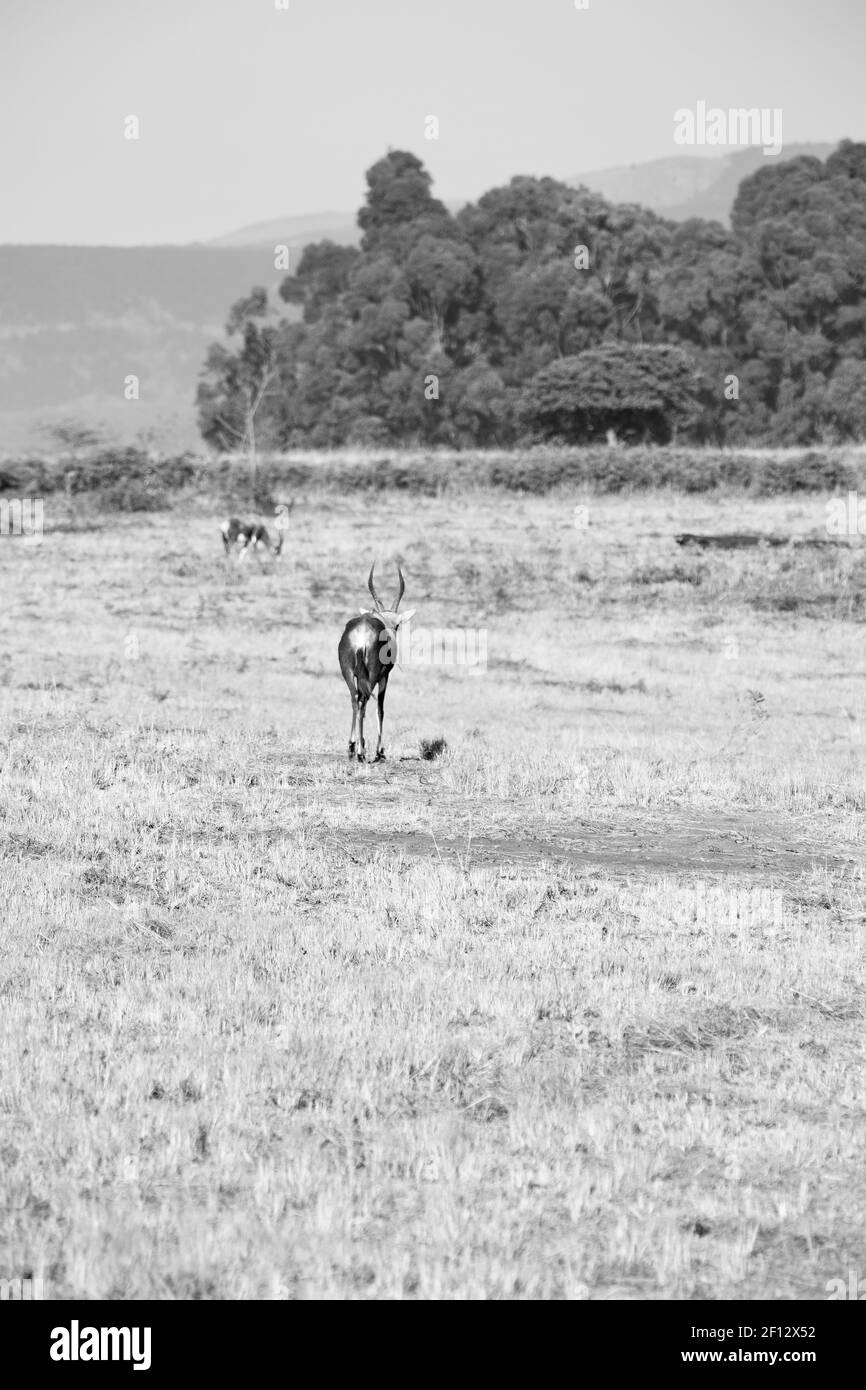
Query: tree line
[545, 313]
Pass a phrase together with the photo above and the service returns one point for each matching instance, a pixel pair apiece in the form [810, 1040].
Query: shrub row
[127, 480]
[132, 480]
[542, 470]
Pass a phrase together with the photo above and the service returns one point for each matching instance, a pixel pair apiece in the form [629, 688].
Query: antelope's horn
[370, 586]
[402, 588]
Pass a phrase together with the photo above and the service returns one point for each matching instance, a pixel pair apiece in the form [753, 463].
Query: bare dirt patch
[650, 844]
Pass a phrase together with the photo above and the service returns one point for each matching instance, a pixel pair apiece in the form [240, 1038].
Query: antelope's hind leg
[354, 698]
[362, 747]
[345, 658]
[380, 720]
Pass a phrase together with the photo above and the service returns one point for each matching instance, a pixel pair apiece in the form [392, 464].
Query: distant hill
[341, 227]
[76, 320]
[684, 186]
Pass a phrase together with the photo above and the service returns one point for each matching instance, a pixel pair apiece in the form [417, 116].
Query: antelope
[248, 535]
[367, 653]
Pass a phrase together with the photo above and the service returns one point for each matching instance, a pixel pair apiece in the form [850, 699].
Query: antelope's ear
[404, 617]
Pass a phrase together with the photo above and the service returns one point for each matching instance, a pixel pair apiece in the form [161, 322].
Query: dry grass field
[573, 1010]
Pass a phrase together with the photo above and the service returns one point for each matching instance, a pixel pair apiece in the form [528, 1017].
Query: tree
[800, 227]
[441, 277]
[235, 384]
[844, 403]
[483, 407]
[75, 434]
[642, 393]
[323, 274]
[398, 194]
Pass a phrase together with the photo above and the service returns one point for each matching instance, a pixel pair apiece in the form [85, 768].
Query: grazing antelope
[244, 536]
[367, 652]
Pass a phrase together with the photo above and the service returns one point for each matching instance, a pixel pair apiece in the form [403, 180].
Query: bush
[133, 495]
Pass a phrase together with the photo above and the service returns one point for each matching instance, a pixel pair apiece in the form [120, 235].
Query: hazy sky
[248, 112]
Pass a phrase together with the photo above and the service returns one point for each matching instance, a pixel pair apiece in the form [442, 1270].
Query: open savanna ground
[574, 1009]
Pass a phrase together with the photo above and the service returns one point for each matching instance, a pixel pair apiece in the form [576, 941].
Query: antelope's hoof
[351, 750]
[362, 757]
[380, 756]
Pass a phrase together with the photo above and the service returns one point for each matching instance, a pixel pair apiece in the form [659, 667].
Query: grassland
[574, 1010]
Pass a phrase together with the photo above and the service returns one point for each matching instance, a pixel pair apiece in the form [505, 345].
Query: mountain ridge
[683, 186]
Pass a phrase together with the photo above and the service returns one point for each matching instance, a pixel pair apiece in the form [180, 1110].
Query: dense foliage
[543, 312]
